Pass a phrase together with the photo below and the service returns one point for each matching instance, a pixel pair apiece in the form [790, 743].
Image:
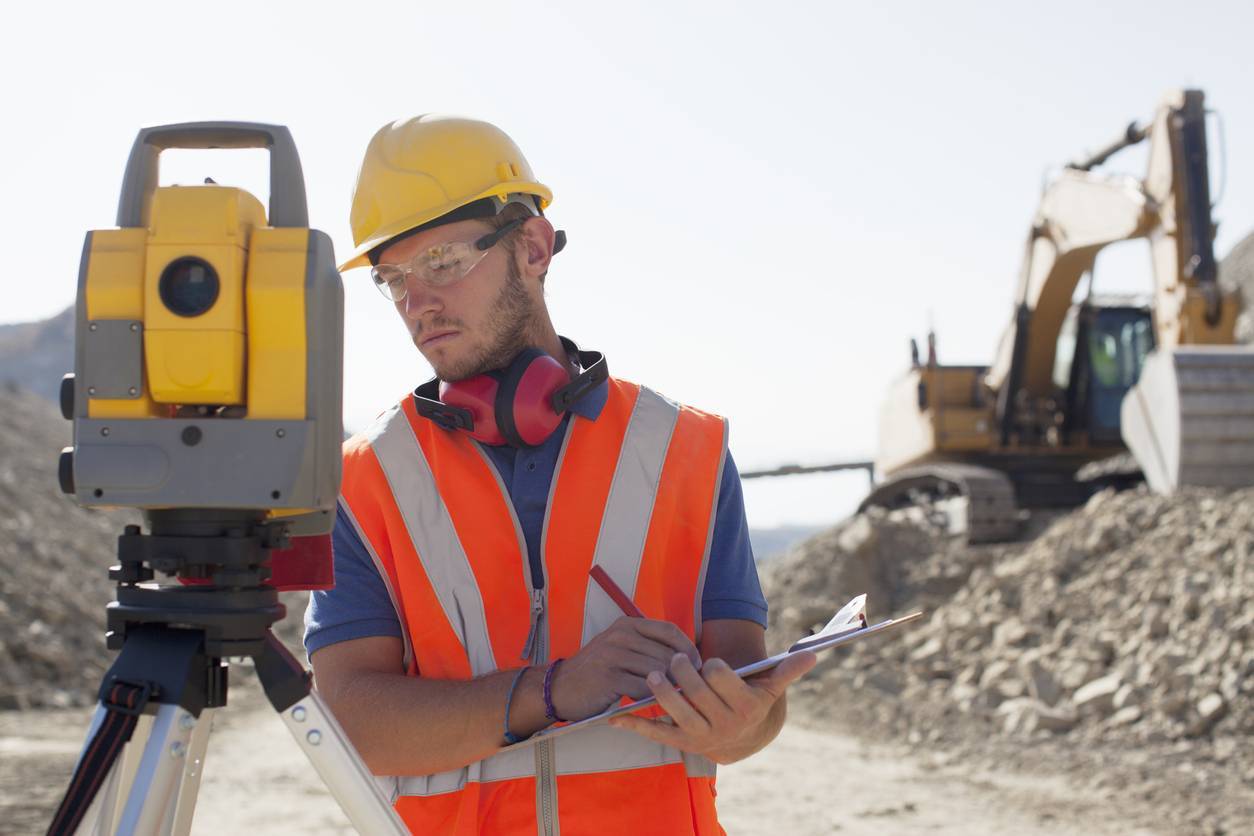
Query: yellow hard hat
[422, 169]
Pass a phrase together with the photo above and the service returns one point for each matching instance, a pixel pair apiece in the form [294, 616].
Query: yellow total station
[209, 336]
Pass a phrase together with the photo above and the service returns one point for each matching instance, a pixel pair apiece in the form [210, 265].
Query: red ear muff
[524, 399]
[514, 406]
[521, 405]
[477, 396]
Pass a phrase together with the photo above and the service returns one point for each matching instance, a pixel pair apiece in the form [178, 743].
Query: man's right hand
[615, 663]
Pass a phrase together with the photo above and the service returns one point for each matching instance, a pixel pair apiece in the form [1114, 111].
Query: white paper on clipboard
[848, 625]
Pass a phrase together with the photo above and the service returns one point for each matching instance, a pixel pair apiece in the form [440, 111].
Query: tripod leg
[193, 768]
[126, 780]
[324, 743]
[101, 818]
[154, 794]
[327, 747]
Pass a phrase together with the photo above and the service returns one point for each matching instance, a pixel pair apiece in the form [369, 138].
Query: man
[471, 515]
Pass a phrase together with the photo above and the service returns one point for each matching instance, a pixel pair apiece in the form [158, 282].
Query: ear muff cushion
[477, 395]
[524, 409]
[534, 416]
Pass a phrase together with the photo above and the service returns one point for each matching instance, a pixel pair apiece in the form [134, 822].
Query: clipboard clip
[852, 616]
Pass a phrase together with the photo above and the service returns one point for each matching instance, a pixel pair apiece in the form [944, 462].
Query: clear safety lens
[437, 266]
[390, 280]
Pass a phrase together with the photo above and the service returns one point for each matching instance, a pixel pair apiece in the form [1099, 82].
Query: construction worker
[463, 618]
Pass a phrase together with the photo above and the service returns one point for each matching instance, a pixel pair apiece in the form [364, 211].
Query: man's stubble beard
[509, 326]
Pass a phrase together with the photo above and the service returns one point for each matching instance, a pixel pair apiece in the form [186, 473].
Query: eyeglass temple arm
[490, 240]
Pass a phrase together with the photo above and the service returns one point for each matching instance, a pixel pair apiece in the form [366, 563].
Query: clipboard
[848, 625]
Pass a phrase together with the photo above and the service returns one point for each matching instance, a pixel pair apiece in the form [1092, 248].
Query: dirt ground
[810, 781]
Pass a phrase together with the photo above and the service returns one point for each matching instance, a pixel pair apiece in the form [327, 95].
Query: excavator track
[991, 512]
[1190, 418]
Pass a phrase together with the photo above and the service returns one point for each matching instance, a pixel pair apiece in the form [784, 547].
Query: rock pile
[55, 557]
[34, 355]
[1236, 272]
[1126, 626]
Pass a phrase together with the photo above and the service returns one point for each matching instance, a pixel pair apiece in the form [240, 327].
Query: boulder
[1210, 710]
[1098, 696]
[1042, 684]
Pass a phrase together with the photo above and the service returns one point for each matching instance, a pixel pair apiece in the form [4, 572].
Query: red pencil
[611, 589]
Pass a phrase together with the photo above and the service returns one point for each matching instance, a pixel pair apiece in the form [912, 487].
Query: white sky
[764, 201]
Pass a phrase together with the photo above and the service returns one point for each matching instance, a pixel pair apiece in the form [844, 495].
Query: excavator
[1078, 385]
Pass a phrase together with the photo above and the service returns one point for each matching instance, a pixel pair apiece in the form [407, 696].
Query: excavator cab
[1113, 342]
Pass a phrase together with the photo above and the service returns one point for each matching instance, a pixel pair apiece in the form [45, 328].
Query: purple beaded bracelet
[549, 711]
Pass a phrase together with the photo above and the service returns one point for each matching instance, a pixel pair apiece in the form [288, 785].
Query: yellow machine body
[249, 348]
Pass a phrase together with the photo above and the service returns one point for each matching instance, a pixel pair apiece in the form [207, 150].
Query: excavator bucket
[1190, 418]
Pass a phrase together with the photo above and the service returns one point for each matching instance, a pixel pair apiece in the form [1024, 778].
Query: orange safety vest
[634, 492]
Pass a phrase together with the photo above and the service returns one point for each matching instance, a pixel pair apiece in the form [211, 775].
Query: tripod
[140, 770]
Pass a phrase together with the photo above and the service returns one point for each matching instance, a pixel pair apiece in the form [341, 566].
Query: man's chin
[451, 371]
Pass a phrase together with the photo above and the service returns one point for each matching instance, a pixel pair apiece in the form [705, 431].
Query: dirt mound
[55, 557]
[35, 355]
[1236, 271]
[1118, 642]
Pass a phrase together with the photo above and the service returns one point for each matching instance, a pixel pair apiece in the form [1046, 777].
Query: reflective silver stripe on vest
[516, 763]
[709, 537]
[590, 751]
[431, 529]
[607, 749]
[408, 655]
[625, 523]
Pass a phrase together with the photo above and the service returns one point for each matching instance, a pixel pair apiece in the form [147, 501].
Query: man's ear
[535, 246]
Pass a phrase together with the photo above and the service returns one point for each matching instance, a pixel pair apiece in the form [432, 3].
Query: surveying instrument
[206, 393]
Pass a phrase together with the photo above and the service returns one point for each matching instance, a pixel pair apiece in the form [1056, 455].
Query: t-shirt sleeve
[358, 606]
[732, 589]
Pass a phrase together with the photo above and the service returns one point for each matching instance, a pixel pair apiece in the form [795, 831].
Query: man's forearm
[402, 725]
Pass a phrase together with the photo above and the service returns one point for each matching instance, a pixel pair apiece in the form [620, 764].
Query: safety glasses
[439, 265]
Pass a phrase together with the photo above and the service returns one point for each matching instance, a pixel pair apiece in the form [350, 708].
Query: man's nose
[420, 299]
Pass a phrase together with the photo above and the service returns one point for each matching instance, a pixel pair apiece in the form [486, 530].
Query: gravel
[1114, 643]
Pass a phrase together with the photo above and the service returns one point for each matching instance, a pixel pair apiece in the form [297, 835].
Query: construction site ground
[812, 780]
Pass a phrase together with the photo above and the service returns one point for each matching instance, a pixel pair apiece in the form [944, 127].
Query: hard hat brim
[359, 257]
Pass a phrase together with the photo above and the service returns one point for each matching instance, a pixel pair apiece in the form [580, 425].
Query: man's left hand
[718, 712]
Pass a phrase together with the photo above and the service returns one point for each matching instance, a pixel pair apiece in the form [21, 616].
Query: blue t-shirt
[359, 607]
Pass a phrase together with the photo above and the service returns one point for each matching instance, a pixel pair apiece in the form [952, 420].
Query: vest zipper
[545, 777]
[536, 651]
[537, 615]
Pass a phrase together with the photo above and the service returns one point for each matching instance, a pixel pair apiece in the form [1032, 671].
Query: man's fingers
[706, 701]
[655, 730]
[641, 664]
[739, 696]
[674, 704]
[667, 634]
[646, 645]
[787, 672]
